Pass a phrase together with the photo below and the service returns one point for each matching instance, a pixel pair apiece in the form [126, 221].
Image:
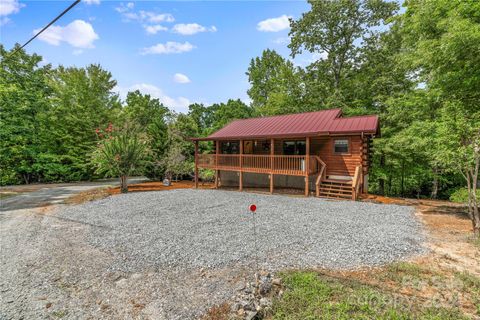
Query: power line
[48, 25]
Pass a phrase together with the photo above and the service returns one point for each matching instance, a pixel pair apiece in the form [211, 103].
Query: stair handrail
[357, 178]
[321, 174]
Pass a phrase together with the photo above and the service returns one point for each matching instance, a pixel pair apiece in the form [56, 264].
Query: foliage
[121, 153]
[152, 116]
[23, 90]
[206, 175]
[275, 84]
[461, 195]
[309, 295]
[336, 31]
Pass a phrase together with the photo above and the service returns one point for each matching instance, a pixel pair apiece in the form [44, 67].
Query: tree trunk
[402, 180]
[475, 213]
[435, 184]
[123, 184]
[381, 181]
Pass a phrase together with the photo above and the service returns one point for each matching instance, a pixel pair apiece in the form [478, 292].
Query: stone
[249, 315]
[265, 302]
[265, 288]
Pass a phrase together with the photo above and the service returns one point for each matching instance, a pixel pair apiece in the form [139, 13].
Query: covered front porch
[274, 159]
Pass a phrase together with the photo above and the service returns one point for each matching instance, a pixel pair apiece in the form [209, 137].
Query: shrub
[461, 195]
[206, 175]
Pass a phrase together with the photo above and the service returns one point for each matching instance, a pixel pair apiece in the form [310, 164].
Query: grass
[471, 284]
[475, 241]
[311, 295]
[60, 313]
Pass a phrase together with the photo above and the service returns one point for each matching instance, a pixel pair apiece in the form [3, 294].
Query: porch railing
[276, 164]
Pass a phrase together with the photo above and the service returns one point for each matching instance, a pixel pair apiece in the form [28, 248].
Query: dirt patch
[158, 186]
[103, 192]
[89, 195]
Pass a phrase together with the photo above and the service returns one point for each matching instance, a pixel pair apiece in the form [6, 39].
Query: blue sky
[181, 52]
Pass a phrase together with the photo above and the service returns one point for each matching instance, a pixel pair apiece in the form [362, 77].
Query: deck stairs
[336, 189]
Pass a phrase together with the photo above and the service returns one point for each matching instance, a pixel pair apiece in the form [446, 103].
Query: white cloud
[155, 17]
[155, 28]
[8, 7]
[274, 24]
[77, 52]
[142, 16]
[187, 29]
[181, 78]
[168, 48]
[125, 7]
[79, 34]
[281, 40]
[179, 104]
[92, 1]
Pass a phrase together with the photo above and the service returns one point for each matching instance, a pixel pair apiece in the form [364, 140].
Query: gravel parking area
[213, 228]
[172, 254]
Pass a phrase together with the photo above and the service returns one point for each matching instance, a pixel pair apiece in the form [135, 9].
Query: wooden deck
[269, 164]
[272, 164]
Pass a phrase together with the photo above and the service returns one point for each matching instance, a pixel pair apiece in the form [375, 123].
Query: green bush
[461, 195]
[206, 175]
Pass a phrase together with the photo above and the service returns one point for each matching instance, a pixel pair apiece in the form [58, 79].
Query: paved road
[33, 196]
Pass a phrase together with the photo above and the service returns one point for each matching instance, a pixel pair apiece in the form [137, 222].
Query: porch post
[217, 148]
[196, 164]
[272, 153]
[307, 165]
[240, 184]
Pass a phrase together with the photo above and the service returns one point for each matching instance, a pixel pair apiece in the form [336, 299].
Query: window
[294, 147]
[230, 147]
[340, 146]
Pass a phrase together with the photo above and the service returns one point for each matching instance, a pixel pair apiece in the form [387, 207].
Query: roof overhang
[286, 136]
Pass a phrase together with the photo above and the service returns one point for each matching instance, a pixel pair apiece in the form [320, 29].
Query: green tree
[152, 116]
[24, 92]
[179, 158]
[82, 100]
[442, 47]
[275, 84]
[336, 31]
[121, 153]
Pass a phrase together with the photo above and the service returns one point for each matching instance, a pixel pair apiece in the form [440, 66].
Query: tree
[442, 46]
[152, 116]
[336, 30]
[179, 158]
[459, 150]
[24, 92]
[275, 84]
[82, 100]
[120, 153]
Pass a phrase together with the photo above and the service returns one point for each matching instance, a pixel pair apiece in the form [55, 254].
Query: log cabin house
[321, 152]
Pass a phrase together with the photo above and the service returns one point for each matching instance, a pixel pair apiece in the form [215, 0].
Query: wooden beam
[217, 172]
[307, 166]
[272, 153]
[240, 184]
[196, 164]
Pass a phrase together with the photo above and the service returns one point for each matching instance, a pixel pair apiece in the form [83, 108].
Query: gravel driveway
[171, 254]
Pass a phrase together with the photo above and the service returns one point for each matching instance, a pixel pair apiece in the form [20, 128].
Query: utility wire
[46, 27]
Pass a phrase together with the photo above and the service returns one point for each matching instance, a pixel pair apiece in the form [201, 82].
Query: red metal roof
[301, 124]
